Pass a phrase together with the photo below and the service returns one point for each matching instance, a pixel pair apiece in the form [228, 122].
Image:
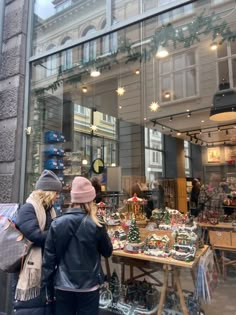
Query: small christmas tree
[114, 286]
[166, 218]
[134, 236]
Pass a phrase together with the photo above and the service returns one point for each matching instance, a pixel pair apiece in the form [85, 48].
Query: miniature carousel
[135, 209]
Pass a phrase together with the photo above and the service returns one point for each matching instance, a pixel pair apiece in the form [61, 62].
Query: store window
[153, 154]
[51, 65]
[63, 5]
[226, 62]
[89, 48]
[178, 76]
[187, 154]
[174, 14]
[67, 56]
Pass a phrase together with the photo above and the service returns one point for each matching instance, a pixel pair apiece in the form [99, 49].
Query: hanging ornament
[120, 91]
[154, 107]
[93, 127]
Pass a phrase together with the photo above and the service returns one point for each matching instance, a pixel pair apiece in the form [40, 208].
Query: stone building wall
[12, 81]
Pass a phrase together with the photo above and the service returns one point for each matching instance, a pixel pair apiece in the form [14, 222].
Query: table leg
[122, 273]
[193, 275]
[131, 272]
[223, 264]
[163, 290]
[180, 292]
[216, 260]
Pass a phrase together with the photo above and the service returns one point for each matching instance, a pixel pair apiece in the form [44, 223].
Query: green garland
[187, 34]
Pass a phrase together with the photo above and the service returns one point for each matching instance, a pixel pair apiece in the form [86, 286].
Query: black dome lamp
[224, 105]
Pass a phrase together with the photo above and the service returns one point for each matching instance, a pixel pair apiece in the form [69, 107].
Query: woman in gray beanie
[72, 254]
[33, 220]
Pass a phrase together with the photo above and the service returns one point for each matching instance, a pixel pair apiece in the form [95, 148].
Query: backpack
[13, 245]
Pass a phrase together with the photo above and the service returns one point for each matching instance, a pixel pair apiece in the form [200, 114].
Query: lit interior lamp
[162, 52]
[224, 106]
[84, 162]
[95, 73]
[94, 127]
[154, 107]
[213, 46]
[120, 91]
[137, 71]
[167, 95]
[84, 89]
[178, 133]
[113, 164]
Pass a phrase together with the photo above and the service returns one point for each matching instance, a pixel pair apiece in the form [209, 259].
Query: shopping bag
[13, 246]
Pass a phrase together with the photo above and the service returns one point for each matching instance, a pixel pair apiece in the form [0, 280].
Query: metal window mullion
[230, 67]
[26, 99]
[2, 12]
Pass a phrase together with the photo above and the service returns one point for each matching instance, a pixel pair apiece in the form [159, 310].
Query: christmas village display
[179, 241]
[168, 234]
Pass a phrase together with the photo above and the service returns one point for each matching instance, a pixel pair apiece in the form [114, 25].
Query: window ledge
[186, 99]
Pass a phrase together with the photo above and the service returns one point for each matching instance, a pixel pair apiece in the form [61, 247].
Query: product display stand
[169, 266]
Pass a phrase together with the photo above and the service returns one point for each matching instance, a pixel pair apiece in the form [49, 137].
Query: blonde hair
[46, 197]
[91, 209]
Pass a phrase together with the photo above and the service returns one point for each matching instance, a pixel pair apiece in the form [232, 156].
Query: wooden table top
[162, 260]
[220, 225]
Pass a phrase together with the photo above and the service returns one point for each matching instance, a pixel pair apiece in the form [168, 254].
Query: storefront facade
[129, 84]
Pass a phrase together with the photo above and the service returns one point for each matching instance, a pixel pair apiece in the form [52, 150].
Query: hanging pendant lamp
[224, 106]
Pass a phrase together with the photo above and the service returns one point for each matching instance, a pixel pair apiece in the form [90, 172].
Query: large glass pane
[116, 99]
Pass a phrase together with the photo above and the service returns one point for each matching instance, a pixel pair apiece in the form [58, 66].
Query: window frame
[184, 70]
[229, 58]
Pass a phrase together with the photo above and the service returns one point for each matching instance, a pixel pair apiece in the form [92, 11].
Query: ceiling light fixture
[84, 89]
[224, 106]
[214, 46]
[189, 115]
[167, 95]
[95, 73]
[137, 71]
[84, 162]
[162, 52]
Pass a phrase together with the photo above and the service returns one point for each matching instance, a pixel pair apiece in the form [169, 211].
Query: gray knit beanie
[48, 181]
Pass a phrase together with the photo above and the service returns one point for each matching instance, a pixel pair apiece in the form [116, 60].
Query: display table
[223, 238]
[168, 265]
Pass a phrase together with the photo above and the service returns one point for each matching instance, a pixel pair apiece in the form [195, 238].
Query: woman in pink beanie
[72, 254]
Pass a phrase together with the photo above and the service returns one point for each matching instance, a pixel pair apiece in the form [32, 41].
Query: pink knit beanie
[82, 190]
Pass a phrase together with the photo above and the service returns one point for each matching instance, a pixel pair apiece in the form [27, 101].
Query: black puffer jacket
[73, 248]
[27, 223]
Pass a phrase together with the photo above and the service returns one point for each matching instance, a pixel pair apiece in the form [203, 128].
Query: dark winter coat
[73, 248]
[27, 223]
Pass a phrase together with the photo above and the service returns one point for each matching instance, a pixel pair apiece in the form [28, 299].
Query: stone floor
[224, 296]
